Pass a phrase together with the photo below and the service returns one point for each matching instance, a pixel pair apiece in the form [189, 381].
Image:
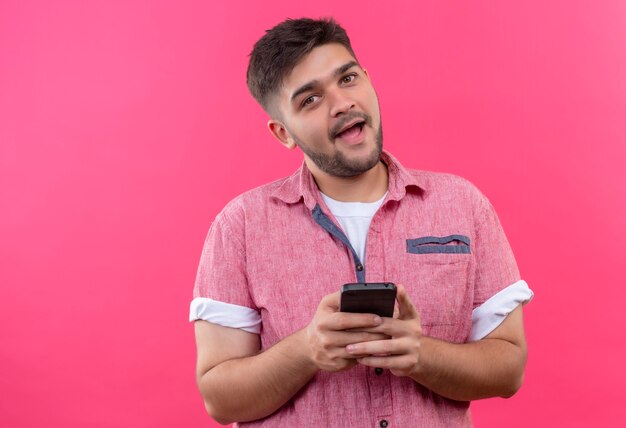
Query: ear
[280, 132]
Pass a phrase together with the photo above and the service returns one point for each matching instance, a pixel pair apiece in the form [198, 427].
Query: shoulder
[449, 192]
[253, 201]
[446, 185]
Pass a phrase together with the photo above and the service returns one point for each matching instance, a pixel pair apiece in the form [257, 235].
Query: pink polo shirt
[275, 251]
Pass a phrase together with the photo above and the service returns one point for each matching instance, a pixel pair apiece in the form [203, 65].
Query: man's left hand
[400, 354]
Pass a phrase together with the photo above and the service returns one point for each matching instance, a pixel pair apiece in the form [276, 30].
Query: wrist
[300, 350]
[419, 369]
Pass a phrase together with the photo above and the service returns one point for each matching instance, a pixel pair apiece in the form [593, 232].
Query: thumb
[406, 308]
[330, 302]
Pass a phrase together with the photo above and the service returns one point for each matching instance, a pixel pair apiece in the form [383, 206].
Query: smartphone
[370, 298]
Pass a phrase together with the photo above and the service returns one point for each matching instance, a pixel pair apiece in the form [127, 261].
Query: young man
[273, 348]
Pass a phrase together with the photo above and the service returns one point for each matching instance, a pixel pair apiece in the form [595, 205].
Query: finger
[343, 338]
[375, 329]
[340, 321]
[330, 302]
[377, 347]
[397, 364]
[338, 354]
[368, 336]
[406, 308]
[392, 327]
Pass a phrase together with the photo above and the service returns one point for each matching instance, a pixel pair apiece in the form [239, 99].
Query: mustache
[332, 133]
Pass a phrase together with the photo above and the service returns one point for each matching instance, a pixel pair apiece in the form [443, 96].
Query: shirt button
[383, 424]
[359, 267]
[378, 371]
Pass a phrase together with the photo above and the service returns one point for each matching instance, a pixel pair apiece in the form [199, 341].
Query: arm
[239, 383]
[493, 366]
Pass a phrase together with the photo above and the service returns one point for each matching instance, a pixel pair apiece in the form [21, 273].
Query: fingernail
[350, 348]
[377, 319]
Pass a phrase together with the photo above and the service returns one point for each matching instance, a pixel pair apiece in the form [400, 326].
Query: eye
[309, 100]
[349, 78]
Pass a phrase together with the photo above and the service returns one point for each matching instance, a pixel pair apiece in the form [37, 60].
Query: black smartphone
[369, 298]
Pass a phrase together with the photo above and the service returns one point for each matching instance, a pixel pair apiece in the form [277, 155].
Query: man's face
[329, 109]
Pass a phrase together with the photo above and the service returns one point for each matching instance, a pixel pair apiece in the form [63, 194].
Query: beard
[338, 165]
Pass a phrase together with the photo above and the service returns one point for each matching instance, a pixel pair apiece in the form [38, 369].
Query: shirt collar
[301, 184]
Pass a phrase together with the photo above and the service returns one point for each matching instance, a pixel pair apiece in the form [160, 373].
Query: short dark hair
[276, 54]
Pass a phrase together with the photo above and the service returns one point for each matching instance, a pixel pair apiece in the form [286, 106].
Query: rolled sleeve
[225, 314]
[221, 293]
[488, 316]
[496, 267]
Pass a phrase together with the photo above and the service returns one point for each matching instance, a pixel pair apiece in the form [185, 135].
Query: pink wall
[126, 126]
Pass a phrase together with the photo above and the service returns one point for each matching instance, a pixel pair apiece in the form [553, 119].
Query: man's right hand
[330, 331]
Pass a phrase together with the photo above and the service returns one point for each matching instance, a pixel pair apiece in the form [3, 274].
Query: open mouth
[352, 131]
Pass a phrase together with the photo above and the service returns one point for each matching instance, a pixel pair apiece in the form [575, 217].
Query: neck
[369, 186]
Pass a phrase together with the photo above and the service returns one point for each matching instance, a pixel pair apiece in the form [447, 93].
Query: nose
[340, 102]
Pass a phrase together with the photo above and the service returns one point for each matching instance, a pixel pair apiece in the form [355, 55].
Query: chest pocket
[442, 280]
[451, 244]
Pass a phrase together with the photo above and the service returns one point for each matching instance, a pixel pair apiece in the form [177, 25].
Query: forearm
[250, 388]
[470, 371]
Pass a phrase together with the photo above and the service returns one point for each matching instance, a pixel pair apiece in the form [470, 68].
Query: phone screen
[370, 298]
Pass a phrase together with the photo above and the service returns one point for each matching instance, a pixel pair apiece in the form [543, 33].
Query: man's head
[305, 75]
[282, 47]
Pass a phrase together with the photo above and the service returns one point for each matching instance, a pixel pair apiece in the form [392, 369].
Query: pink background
[126, 126]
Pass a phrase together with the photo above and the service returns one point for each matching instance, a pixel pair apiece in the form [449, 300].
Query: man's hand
[327, 335]
[401, 353]
[490, 367]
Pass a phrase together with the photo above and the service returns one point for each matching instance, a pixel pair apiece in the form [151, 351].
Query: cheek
[369, 102]
[314, 129]
[374, 105]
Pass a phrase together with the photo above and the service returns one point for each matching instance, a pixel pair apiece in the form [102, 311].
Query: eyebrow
[313, 83]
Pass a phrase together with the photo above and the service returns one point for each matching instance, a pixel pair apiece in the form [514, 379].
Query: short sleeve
[222, 270]
[496, 268]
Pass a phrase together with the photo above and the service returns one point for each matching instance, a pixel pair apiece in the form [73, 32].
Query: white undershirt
[355, 218]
